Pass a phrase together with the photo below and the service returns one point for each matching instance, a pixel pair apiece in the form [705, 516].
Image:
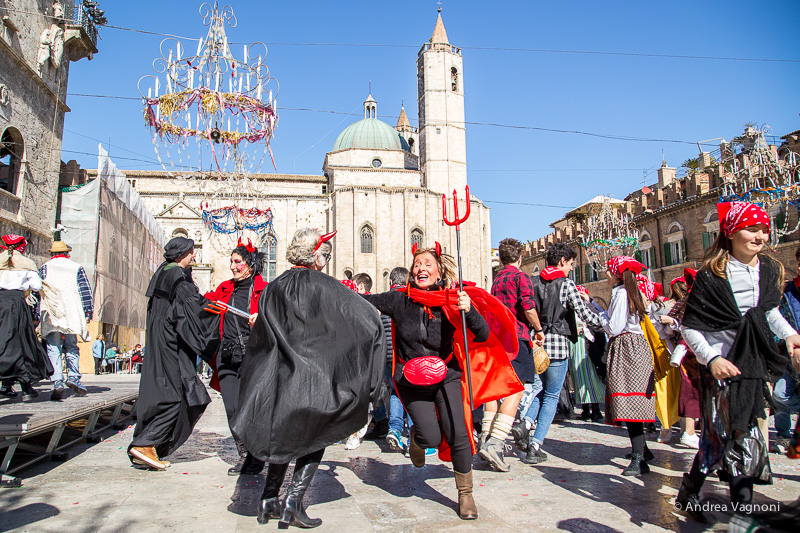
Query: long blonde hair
[719, 253]
[445, 262]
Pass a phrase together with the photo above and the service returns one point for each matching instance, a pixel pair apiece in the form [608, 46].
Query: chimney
[666, 175]
[705, 160]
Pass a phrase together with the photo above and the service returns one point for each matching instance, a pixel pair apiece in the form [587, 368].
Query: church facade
[381, 189]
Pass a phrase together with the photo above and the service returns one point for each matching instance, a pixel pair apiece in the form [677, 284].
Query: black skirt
[22, 356]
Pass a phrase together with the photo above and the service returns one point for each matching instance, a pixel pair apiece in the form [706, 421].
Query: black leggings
[228, 375]
[422, 405]
[636, 434]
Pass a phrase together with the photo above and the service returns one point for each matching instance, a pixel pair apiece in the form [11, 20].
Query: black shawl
[315, 358]
[711, 306]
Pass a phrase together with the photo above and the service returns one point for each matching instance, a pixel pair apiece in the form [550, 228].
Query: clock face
[376, 163]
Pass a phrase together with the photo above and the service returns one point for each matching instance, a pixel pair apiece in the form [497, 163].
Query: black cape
[171, 396]
[711, 306]
[22, 356]
[315, 359]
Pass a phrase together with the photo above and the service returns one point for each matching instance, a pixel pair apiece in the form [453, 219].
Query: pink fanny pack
[426, 370]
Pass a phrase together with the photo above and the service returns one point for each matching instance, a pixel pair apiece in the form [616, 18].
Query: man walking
[66, 307]
[514, 289]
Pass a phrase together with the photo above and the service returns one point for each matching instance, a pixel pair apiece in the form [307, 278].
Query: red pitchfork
[457, 223]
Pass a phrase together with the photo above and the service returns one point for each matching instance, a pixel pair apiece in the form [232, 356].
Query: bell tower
[440, 96]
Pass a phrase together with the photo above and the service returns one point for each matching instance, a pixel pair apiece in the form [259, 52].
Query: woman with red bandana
[630, 380]
[429, 364]
[22, 357]
[730, 323]
[241, 292]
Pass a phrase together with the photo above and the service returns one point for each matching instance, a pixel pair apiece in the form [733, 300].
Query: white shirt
[618, 318]
[20, 280]
[743, 279]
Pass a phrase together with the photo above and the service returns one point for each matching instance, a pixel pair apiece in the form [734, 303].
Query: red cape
[493, 377]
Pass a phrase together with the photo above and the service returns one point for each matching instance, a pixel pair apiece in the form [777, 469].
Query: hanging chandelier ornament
[211, 110]
[754, 173]
[606, 230]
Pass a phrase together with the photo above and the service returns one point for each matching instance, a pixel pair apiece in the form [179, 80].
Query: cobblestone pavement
[578, 489]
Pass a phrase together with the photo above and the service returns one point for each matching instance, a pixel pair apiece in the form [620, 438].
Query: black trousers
[97, 361]
[422, 405]
[228, 375]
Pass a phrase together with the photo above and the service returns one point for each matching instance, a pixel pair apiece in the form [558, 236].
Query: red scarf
[551, 273]
[797, 281]
[493, 377]
[65, 256]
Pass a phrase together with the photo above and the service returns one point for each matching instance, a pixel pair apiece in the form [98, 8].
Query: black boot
[28, 392]
[249, 466]
[688, 500]
[597, 416]
[521, 434]
[270, 506]
[648, 455]
[586, 414]
[637, 467]
[293, 513]
[535, 454]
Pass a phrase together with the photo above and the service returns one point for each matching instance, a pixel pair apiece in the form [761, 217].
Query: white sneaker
[691, 441]
[352, 443]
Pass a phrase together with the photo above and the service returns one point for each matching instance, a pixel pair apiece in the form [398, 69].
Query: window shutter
[685, 257]
[706, 240]
[587, 269]
[667, 255]
[780, 218]
[638, 256]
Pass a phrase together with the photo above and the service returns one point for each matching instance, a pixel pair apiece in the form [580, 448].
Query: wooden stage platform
[40, 429]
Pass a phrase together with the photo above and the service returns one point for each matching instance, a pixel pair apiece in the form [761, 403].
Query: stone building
[381, 188]
[38, 40]
[676, 219]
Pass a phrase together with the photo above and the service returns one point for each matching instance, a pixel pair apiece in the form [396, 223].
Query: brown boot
[466, 505]
[147, 456]
[415, 452]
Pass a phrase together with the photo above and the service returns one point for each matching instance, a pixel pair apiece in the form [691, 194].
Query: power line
[526, 203]
[490, 124]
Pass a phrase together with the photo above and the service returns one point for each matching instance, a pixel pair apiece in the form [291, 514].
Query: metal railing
[83, 13]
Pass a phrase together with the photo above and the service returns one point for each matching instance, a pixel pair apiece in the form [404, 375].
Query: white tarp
[117, 240]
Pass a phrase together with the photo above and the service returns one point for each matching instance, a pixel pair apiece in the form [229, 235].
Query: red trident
[457, 223]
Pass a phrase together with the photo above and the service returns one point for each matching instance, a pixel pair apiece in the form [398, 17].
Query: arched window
[454, 79]
[367, 240]
[416, 237]
[386, 282]
[11, 150]
[180, 232]
[348, 274]
[411, 144]
[269, 246]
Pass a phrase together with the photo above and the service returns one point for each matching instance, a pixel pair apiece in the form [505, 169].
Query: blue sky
[663, 98]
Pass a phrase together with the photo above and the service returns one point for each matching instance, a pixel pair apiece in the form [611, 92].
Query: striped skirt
[589, 388]
[630, 382]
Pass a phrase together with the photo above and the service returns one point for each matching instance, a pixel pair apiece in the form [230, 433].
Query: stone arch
[675, 227]
[12, 154]
[347, 273]
[180, 232]
[122, 315]
[712, 216]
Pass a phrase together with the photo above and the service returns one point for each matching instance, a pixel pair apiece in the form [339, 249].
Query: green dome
[370, 133]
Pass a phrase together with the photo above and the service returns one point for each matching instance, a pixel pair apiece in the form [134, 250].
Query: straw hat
[60, 247]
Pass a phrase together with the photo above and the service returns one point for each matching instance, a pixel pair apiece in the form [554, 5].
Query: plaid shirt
[558, 346]
[514, 289]
[84, 289]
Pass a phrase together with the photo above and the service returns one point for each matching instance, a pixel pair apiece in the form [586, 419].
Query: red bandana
[350, 285]
[582, 290]
[12, 239]
[551, 273]
[736, 216]
[647, 287]
[681, 279]
[620, 263]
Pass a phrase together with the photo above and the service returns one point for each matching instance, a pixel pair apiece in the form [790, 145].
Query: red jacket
[223, 293]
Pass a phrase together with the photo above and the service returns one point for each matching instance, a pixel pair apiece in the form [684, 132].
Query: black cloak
[315, 359]
[22, 356]
[171, 396]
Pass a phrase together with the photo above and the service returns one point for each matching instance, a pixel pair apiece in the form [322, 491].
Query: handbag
[541, 359]
[425, 370]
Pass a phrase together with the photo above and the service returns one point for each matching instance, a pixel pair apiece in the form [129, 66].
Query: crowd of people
[433, 368]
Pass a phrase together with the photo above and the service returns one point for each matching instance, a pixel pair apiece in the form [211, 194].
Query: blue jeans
[785, 395]
[69, 342]
[545, 403]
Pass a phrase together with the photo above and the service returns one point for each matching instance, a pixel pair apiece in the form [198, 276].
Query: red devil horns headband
[437, 247]
[325, 238]
[249, 246]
